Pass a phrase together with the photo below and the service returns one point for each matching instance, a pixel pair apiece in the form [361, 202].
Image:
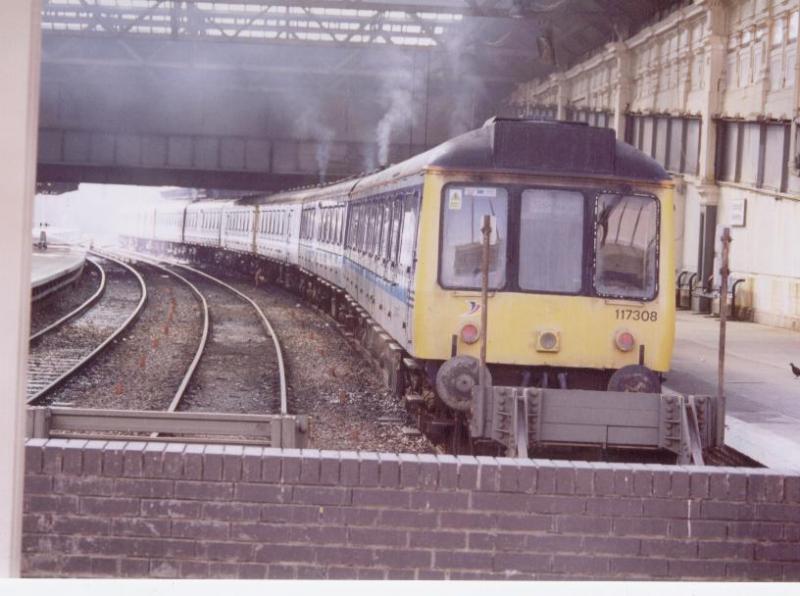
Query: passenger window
[364, 233]
[408, 236]
[351, 228]
[356, 215]
[371, 230]
[397, 214]
[462, 240]
[626, 244]
[335, 228]
[327, 225]
[376, 230]
[362, 230]
[386, 240]
[551, 241]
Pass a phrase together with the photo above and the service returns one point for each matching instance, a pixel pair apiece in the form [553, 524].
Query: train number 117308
[650, 316]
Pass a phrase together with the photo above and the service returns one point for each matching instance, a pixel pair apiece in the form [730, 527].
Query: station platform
[763, 395]
[53, 267]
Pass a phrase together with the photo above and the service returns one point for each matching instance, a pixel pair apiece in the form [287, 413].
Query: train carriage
[275, 236]
[238, 227]
[203, 223]
[581, 265]
[168, 221]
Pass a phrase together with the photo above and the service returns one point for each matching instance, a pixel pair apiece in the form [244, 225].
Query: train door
[407, 258]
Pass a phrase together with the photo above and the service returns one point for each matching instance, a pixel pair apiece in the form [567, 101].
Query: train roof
[524, 146]
[561, 148]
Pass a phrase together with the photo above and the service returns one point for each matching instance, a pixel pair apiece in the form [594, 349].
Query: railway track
[68, 345]
[238, 371]
[233, 368]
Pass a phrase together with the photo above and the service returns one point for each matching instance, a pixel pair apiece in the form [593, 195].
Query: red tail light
[625, 341]
[470, 333]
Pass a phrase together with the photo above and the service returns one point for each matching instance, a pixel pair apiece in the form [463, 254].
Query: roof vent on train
[552, 146]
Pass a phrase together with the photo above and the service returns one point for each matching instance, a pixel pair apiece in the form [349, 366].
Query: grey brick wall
[155, 510]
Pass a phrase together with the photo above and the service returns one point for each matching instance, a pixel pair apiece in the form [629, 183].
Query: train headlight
[624, 341]
[548, 341]
[470, 333]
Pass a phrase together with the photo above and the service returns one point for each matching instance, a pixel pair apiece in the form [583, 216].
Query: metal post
[723, 317]
[486, 229]
[20, 30]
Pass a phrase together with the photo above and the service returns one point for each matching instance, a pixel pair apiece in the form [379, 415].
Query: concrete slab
[55, 262]
[763, 396]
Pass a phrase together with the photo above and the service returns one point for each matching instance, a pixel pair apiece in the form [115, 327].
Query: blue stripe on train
[394, 290]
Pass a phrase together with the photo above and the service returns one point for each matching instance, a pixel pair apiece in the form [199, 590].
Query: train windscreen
[462, 247]
[551, 241]
[626, 245]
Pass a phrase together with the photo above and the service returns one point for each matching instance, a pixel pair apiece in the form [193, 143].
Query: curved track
[75, 341]
[233, 348]
[233, 372]
[206, 321]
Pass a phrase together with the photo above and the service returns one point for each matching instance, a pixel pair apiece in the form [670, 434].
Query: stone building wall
[712, 62]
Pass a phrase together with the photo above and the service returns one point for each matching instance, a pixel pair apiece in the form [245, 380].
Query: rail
[264, 321]
[173, 405]
[74, 313]
[282, 431]
[89, 357]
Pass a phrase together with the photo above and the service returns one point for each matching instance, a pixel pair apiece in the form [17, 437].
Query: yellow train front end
[562, 325]
[581, 275]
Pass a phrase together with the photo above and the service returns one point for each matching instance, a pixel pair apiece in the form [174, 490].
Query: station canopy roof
[529, 38]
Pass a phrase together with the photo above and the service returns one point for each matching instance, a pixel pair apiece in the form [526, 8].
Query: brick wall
[150, 509]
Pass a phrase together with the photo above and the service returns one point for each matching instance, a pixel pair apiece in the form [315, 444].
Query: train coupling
[522, 418]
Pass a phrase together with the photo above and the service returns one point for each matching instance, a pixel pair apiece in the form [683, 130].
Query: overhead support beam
[474, 8]
[197, 161]
[61, 50]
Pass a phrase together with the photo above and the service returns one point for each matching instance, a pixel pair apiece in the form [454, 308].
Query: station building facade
[710, 91]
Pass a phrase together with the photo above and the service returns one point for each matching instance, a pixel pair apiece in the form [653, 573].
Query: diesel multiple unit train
[580, 260]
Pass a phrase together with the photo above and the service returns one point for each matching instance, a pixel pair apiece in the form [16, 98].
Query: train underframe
[518, 393]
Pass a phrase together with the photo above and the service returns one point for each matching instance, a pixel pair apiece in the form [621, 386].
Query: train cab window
[551, 241]
[464, 208]
[626, 244]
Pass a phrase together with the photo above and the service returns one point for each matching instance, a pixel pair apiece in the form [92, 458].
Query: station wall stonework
[116, 509]
[711, 62]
